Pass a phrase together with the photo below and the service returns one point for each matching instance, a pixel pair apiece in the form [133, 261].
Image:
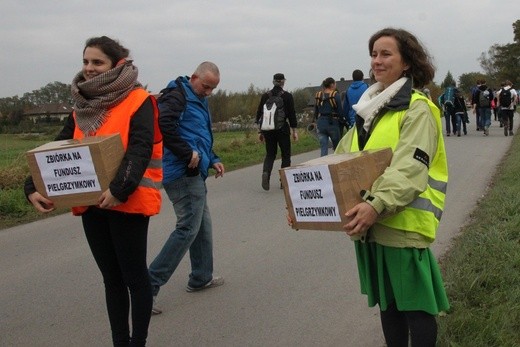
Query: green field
[14, 146]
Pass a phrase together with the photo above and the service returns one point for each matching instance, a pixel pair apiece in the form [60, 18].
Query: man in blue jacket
[354, 92]
[185, 124]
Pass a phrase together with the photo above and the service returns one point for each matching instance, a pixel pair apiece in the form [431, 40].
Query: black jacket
[288, 105]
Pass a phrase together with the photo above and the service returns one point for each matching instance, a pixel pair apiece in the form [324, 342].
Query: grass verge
[482, 269]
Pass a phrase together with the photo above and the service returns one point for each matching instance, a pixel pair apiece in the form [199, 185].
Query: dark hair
[357, 75]
[328, 82]
[112, 48]
[414, 55]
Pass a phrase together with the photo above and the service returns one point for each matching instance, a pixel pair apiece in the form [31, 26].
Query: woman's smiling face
[387, 63]
[95, 62]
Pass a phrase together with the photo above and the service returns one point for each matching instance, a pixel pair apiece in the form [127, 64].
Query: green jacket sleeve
[406, 177]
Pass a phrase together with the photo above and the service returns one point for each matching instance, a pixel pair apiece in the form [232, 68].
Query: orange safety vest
[146, 199]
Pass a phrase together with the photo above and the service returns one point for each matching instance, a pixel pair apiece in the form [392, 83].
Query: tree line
[225, 106]
[499, 63]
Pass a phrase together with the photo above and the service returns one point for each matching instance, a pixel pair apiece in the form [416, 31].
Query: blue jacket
[185, 123]
[352, 96]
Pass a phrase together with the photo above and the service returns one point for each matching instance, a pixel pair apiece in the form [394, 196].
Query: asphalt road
[283, 287]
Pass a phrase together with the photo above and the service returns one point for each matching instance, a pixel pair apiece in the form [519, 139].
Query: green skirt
[410, 277]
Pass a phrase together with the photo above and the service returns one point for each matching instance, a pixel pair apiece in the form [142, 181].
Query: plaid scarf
[94, 97]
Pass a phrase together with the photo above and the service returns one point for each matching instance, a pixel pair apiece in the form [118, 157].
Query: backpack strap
[319, 98]
[332, 99]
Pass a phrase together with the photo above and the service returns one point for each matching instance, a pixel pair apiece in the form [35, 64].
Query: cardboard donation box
[75, 172]
[319, 192]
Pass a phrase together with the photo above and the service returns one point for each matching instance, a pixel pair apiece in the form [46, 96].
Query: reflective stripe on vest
[146, 199]
[147, 182]
[424, 213]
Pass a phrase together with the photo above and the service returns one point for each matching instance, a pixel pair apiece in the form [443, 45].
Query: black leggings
[118, 242]
[421, 326]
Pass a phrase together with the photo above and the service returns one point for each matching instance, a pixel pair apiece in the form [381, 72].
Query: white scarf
[375, 98]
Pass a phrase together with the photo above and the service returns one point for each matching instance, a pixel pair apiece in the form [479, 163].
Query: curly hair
[414, 54]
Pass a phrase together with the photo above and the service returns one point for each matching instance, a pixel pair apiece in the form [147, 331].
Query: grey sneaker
[215, 282]
[155, 308]
[265, 180]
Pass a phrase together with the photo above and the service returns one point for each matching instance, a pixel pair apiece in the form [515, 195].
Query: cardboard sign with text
[75, 172]
[319, 192]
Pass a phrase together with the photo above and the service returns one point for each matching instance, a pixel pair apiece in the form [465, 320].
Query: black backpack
[484, 98]
[505, 98]
[274, 114]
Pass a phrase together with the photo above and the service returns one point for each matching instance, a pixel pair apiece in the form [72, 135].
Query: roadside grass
[482, 268]
[14, 207]
[13, 146]
[241, 149]
[236, 149]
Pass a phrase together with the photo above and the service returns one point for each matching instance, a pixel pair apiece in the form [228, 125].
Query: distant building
[48, 112]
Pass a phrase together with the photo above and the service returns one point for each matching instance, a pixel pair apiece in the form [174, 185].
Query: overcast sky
[41, 41]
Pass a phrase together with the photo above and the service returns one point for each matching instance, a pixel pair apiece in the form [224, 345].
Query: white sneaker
[215, 282]
[155, 308]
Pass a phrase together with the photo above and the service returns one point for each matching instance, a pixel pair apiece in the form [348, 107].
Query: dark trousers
[118, 242]
[507, 118]
[274, 139]
[342, 127]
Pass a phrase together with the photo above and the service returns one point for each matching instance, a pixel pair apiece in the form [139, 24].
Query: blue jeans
[485, 117]
[461, 121]
[450, 122]
[193, 231]
[327, 127]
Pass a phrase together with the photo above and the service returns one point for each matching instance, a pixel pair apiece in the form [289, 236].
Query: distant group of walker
[484, 102]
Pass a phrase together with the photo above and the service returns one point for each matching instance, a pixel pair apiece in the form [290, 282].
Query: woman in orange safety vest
[108, 100]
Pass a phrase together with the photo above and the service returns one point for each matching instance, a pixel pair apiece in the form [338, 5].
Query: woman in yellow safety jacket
[394, 226]
[109, 100]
